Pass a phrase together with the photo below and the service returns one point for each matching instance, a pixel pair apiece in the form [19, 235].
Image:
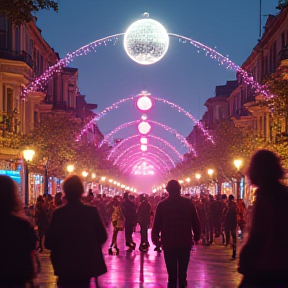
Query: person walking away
[211, 214]
[129, 212]
[175, 219]
[241, 216]
[143, 216]
[264, 257]
[17, 240]
[41, 219]
[223, 211]
[118, 220]
[230, 223]
[75, 237]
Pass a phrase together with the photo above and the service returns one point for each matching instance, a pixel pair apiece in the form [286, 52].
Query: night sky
[183, 76]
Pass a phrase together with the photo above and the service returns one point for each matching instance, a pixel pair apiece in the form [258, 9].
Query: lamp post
[197, 176]
[238, 163]
[210, 173]
[28, 157]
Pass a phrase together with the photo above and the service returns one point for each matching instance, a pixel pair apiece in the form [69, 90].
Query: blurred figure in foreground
[175, 219]
[75, 236]
[264, 258]
[17, 240]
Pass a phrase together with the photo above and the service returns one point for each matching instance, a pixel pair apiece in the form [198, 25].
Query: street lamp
[84, 174]
[28, 157]
[197, 176]
[210, 172]
[238, 163]
[70, 168]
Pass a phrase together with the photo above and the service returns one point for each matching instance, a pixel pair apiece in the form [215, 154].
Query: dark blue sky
[183, 76]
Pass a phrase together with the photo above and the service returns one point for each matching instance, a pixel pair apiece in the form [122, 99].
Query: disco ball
[146, 41]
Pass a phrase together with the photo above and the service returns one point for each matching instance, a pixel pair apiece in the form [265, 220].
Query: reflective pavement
[210, 266]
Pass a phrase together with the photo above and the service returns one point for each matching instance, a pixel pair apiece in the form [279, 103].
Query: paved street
[210, 266]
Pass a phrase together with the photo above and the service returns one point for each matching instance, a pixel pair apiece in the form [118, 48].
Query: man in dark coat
[129, 212]
[175, 219]
[143, 215]
[75, 236]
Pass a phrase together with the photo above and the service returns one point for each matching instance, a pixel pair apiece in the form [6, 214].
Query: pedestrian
[17, 241]
[230, 223]
[241, 217]
[41, 220]
[143, 218]
[129, 212]
[75, 237]
[175, 219]
[118, 221]
[264, 258]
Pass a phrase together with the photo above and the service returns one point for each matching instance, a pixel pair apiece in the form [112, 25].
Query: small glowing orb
[144, 148]
[144, 103]
[143, 140]
[144, 127]
[146, 41]
[144, 117]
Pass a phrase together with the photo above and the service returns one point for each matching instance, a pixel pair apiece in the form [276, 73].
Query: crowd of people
[73, 222]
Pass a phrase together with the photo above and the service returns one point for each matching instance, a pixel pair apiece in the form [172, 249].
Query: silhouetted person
[230, 223]
[17, 239]
[129, 212]
[175, 219]
[75, 236]
[143, 217]
[264, 258]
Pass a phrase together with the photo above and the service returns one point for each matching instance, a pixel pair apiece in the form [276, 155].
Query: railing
[18, 56]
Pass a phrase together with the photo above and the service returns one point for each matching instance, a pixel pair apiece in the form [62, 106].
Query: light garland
[117, 147]
[152, 155]
[40, 82]
[145, 93]
[167, 128]
[160, 171]
[225, 61]
[150, 146]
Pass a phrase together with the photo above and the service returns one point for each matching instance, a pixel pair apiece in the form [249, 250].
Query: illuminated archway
[118, 146]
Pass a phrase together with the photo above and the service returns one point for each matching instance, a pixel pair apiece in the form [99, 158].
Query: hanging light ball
[146, 41]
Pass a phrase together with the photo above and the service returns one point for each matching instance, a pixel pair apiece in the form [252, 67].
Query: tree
[21, 11]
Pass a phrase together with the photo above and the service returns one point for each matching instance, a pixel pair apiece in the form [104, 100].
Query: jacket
[175, 219]
[75, 236]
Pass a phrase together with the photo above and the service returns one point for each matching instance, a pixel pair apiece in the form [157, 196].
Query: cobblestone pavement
[210, 266]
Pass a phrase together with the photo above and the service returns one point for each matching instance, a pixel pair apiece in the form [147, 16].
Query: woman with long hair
[264, 258]
[17, 239]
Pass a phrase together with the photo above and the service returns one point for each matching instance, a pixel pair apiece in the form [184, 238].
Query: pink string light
[226, 62]
[150, 146]
[153, 155]
[118, 146]
[40, 82]
[173, 105]
[136, 162]
[167, 128]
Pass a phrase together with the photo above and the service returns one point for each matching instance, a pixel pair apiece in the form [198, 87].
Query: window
[221, 112]
[8, 99]
[17, 39]
[3, 32]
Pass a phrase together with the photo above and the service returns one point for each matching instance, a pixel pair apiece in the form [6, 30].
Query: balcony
[17, 56]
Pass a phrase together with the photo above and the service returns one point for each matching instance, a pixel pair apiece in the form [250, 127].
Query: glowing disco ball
[144, 103]
[146, 41]
[144, 127]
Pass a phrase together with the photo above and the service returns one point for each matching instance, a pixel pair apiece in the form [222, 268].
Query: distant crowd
[73, 222]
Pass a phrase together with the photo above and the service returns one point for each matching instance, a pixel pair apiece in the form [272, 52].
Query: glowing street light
[198, 176]
[210, 172]
[181, 181]
[187, 180]
[93, 175]
[84, 174]
[103, 178]
[70, 168]
[144, 148]
[143, 140]
[238, 163]
[110, 180]
[28, 154]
